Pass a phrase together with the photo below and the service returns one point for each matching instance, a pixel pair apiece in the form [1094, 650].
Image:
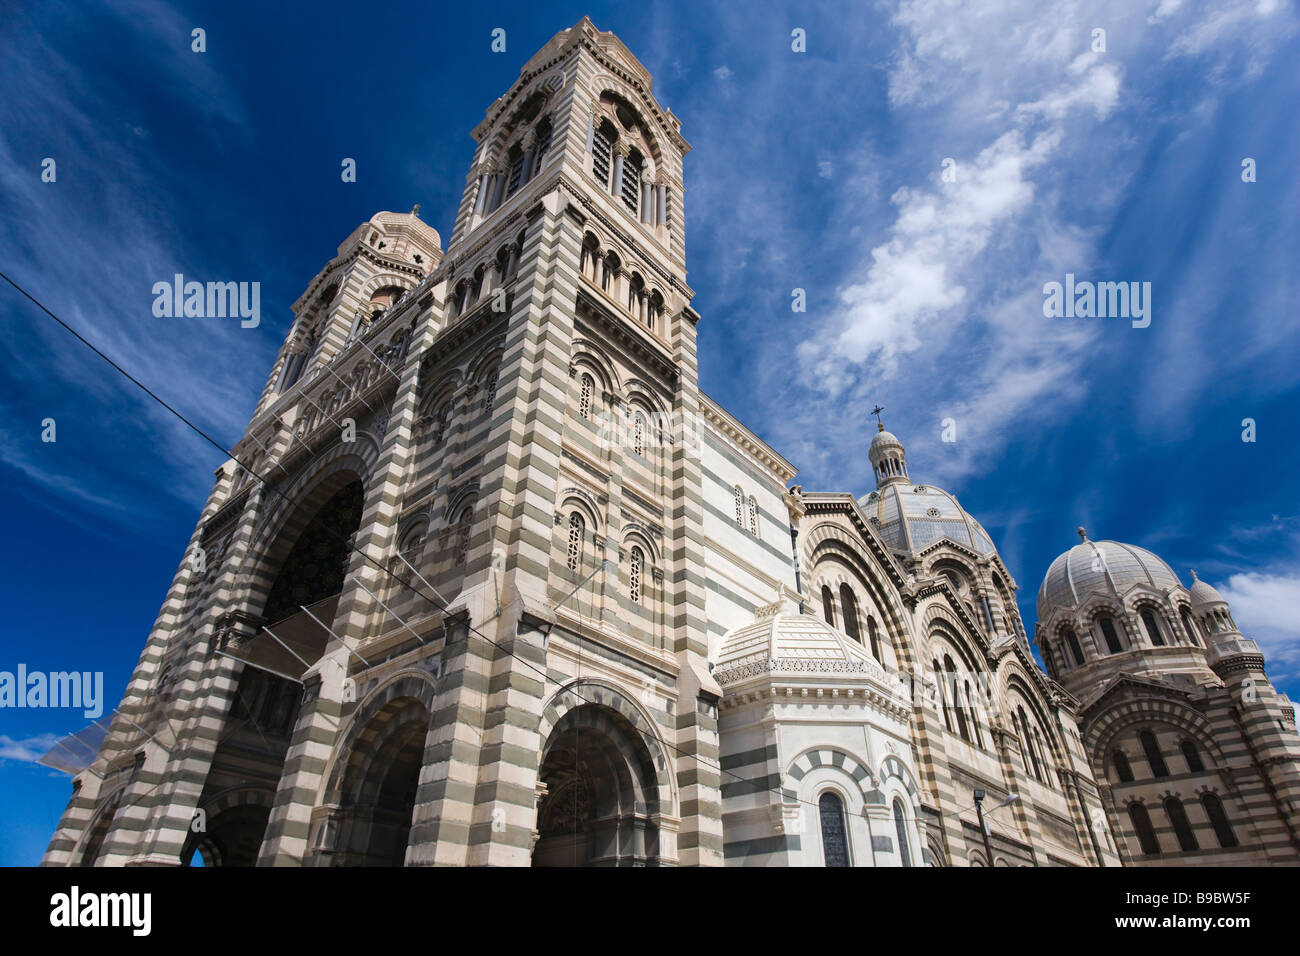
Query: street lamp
[984, 826]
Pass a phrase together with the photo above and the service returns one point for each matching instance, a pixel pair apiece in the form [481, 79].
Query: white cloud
[28, 749]
[945, 312]
[723, 73]
[1265, 609]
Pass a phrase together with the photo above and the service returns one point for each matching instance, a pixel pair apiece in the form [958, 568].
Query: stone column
[620, 156]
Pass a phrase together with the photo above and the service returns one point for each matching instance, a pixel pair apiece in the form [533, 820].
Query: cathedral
[489, 580]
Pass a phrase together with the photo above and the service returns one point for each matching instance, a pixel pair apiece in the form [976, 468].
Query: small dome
[792, 641]
[888, 458]
[1108, 567]
[883, 438]
[1203, 593]
[407, 228]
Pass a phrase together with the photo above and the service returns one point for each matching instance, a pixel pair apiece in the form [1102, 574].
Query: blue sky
[820, 171]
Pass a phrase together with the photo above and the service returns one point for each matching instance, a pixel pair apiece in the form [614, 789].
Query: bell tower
[587, 561]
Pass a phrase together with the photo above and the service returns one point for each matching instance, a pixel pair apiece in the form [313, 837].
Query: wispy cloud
[91, 244]
[1264, 607]
[26, 749]
[943, 313]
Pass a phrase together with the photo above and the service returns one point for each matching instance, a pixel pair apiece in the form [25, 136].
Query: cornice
[721, 419]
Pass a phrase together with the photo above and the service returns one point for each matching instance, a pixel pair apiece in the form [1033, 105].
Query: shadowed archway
[602, 796]
[372, 824]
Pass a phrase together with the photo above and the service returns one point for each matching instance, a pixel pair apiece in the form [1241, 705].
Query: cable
[442, 608]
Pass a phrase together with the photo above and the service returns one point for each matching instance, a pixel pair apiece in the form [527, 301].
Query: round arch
[604, 783]
[234, 824]
[1102, 733]
[374, 777]
[97, 831]
[591, 691]
[827, 546]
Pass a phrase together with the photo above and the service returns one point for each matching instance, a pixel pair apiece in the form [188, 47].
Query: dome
[888, 458]
[912, 517]
[787, 646]
[883, 438]
[783, 640]
[1108, 567]
[409, 226]
[1203, 593]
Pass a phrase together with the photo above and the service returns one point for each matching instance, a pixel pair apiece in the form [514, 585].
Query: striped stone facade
[490, 581]
[1195, 753]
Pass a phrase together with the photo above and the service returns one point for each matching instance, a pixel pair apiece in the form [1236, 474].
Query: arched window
[602, 146]
[753, 516]
[634, 575]
[476, 285]
[849, 609]
[1151, 748]
[974, 717]
[1141, 820]
[955, 702]
[293, 366]
[1028, 744]
[1152, 628]
[609, 274]
[900, 830]
[1107, 625]
[1219, 820]
[1182, 828]
[654, 309]
[1190, 626]
[638, 434]
[828, 605]
[1122, 768]
[939, 685]
[1042, 756]
[631, 190]
[835, 839]
[490, 392]
[412, 544]
[577, 529]
[1072, 641]
[460, 298]
[588, 261]
[740, 506]
[1193, 757]
[635, 294]
[441, 422]
[541, 144]
[584, 396]
[462, 540]
[503, 265]
[514, 178]
[873, 634]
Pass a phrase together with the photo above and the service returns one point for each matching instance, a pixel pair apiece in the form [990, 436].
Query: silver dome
[1109, 567]
[912, 517]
